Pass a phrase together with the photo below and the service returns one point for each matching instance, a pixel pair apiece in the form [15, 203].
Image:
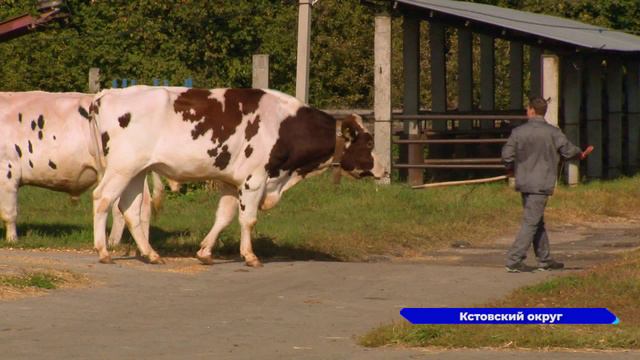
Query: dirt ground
[285, 310]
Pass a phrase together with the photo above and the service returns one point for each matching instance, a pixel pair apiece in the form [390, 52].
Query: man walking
[532, 152]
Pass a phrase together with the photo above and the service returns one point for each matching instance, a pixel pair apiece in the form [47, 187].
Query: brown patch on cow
[30, 147]
[242, 207]
[246, 185]
[40, 135]
[213, 152]
[41, 122]
[248, 151]
[30, 164]
[83, 112]
[124, 120]
[105, 143]
[33, 124]
[19, 117]
[252, 128]
[94, 108]
[222, 160]
[52, 165]
[305, 141]
[209, 114]
[54, 137]
[10, 166]
[18, 150]
[239, 192]
[358, 154]
[9, 175]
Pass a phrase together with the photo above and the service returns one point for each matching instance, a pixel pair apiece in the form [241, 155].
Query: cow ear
[352, 125]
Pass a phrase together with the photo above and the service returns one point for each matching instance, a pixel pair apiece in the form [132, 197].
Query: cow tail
[157, 195]
[96, 138]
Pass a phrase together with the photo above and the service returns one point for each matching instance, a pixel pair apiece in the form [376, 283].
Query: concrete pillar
[411, 61]
[304, 49]
[260, 72]
[594, 117]
[515, 75]
[487, 77]
[572, 97]
[94, 80]
[614, 120]
[633, 116]
[382, 92]
[551, 87]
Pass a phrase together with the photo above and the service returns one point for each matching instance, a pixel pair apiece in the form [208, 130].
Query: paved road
[286, 310]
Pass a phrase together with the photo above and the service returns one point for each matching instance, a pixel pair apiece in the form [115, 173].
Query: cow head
[358, 159]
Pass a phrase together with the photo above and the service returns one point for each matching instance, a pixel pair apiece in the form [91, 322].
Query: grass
[316, 220]
[614, 285]
[47, 280]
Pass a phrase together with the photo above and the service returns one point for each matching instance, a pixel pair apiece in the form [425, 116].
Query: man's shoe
[551, 265]
[516, 268]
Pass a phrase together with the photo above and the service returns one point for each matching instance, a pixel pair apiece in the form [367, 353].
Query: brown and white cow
[258, 143]
[46, 141]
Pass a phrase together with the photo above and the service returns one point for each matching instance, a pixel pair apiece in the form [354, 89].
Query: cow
[46, 141]
[256, 143]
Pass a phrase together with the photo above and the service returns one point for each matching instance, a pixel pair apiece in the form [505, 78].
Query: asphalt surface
[285, 310]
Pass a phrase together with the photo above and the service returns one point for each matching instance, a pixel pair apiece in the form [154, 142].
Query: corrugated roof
[545, 26]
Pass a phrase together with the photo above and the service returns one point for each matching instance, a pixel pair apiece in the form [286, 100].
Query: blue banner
[562, 316]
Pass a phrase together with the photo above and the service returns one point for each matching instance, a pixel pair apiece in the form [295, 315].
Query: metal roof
[544, 26]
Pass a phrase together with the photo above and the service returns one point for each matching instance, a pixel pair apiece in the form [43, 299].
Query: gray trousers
[531, 231]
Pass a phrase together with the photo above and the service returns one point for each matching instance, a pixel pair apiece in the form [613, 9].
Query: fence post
[304, 48]
[551, 86]
[94, 80]
[382, 92]
[411, 58]
[572, 96]
[260, 78]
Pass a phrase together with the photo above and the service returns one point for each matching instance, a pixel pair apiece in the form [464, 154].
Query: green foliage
[38, 279]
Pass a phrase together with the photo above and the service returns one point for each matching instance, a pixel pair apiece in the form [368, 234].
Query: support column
[535, 67]
[304, 49]
[633, 116]
[572, 96]
[260, 73]
[94, 80]
[551, 87]
[614, 121]
[411, 61]
[465, 74]
[438, 72]
[594, 117]
[382, 92]
[487, 77]
[515, 75]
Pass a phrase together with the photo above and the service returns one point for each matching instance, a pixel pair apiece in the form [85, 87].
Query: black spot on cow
[30, 146]
[242, 207]
[18, 150]
[19, 117]
[30, 164]
[40, 135]
[124, 120]
[249, 177]
[223, 158]
[33, 124]
[9, 174]
[248, 151]
[246, 185]
[10, 166]
[210, 114]
[52, 165]
[41, 122]
[252, 128]
[83, 112]
[54, 137]
[213, 152]
[239, 192]
[105, 143]
[305, 141]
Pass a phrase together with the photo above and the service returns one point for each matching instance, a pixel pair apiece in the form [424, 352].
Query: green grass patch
[317, 220]
[613, 285]
[37, 279]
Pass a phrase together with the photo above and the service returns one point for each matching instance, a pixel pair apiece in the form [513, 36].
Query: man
[532, 152]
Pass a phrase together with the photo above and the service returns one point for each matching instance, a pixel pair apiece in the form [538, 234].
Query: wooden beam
[411, 61]
[535, 68]
[304, 49]
[260, 73]
[465, 74]
[614, 118]
[571, 97]
[551, 87]
[594, 117]
[487, 77]
[633, 116]
[438, 72]
[515, 75]
[94, 80]
[382, 92]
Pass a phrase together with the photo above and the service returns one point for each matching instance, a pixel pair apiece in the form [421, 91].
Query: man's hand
[586, 152]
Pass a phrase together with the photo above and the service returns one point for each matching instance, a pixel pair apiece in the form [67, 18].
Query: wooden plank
[515, 75]
[614, 118]
[535, 69]
[572, 96]
[633, 116]
[487, 77]
[594, 117]
[411, 62]
[465, 74]
[461, 182]
[304, 49]
[94, 80]
[260, 73]
[382, 92]
[438, 72]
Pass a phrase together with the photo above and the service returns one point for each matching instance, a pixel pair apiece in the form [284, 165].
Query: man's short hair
[538, 104]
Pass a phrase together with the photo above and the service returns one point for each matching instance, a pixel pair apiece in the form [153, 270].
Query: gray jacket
[533, 152]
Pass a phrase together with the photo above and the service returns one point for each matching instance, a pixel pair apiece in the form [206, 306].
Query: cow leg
[249, 202]
[117, 227]
[9, 209]
[224, 215]
[107, 191]
[131, 204]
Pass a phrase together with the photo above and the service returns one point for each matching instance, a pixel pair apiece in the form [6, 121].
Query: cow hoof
[255, 263]
[106, 260]
[156, 260]
[205, 260]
